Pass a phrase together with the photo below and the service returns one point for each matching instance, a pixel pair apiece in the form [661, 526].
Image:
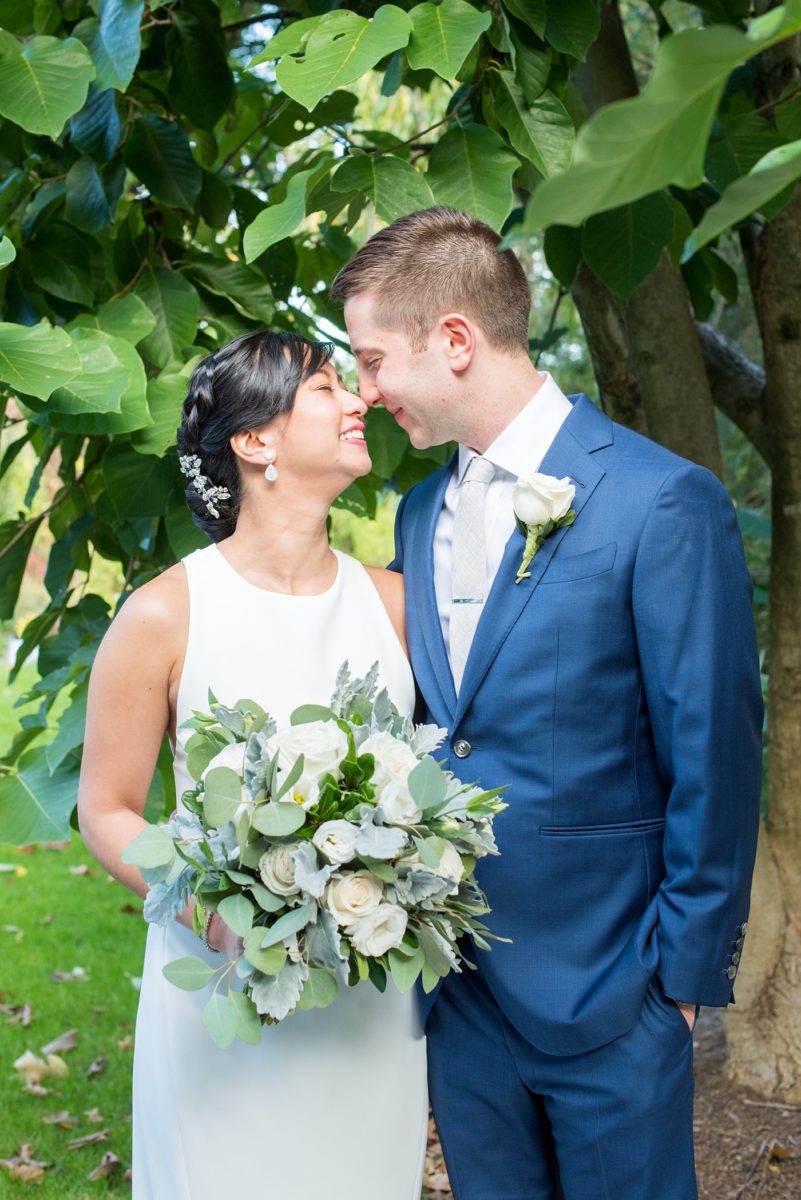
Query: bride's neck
[282, 544]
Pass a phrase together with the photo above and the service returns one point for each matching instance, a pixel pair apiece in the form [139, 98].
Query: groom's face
[415, 386]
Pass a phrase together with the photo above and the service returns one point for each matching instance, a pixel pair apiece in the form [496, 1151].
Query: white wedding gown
[332, 1104]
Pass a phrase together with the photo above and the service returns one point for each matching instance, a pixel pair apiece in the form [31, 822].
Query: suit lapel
[584, 430]
[423, 588]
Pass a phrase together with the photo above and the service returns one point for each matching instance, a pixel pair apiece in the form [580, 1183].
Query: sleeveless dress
[333, 1103]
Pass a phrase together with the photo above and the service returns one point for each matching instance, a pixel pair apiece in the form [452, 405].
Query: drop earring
[271, 474]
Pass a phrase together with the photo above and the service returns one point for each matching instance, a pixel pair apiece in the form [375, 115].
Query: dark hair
[440, 260]
[241, 386]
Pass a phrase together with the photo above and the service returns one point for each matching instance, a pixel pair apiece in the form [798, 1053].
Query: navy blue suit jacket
[617, 693]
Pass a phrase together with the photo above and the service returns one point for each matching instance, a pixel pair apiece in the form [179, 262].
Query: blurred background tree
[174, 174]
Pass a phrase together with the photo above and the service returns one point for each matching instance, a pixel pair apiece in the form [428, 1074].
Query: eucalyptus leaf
[248, 1025]
[279, 820]
[190, 973]
[221, 1018]
[284, 927]
[238, 914]
[269, 960]
[319, 990]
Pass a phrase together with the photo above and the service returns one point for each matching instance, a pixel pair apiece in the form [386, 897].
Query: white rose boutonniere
[542, 504]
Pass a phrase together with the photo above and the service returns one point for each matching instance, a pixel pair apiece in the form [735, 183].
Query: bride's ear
[249, 446]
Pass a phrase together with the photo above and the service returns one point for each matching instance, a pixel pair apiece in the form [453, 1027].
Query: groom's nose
[368, 390]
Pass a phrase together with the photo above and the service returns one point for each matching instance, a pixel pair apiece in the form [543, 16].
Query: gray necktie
[468, 563]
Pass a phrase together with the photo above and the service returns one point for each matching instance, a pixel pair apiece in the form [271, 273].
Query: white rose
[323, 746]
[394, 760]
[231, 756]
[450, 867]
[277, 870]
[335, 839]
[380, 931]
[353, 896]
[540, 498]
[397, 804]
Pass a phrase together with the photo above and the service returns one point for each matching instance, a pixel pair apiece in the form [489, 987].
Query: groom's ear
[459, 340]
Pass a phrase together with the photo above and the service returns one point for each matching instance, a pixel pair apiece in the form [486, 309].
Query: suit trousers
[614, 1123]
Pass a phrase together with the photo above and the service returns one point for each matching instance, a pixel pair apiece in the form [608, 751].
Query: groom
[615, 689]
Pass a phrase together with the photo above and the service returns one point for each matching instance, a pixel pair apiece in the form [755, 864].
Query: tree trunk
[676, 397]
[602, 317]
[765, 1028]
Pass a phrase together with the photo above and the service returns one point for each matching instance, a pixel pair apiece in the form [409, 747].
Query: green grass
[89, 930]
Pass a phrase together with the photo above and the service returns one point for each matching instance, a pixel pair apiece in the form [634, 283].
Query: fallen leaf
[131, 908]
[31, 848]
[107, 1166]
[63, 1118]
[69, 976]
[781, 1152]
[94, 1115]
[17, 1014]
[31, 1067]
[54, 845]
[47, 919]
[61, 1044]
[128, 1176]
[96, 1067]
[37, 1090]
[81, 869]
[27, 1172]
[89, 1139]
[126, 1042]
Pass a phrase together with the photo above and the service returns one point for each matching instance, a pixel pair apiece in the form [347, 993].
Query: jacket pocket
[644, 825]
[563, 569]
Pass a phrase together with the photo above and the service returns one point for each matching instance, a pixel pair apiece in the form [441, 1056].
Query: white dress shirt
[518, 450]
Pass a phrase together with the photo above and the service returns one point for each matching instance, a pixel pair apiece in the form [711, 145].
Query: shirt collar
[520, 448]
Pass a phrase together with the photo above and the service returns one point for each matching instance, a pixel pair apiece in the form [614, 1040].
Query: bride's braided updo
[243, 385]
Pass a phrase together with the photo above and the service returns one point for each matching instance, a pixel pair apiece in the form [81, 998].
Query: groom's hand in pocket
[689, 1012]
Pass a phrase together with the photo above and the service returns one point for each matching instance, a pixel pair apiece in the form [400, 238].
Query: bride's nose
[354, 405]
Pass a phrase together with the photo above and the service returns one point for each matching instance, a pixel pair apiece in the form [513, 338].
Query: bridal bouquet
[336, 848]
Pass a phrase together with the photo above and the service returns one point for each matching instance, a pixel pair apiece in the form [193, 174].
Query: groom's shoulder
[638, 460]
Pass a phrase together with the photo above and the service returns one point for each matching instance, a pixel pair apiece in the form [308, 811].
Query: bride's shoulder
[389, 585]
[161, 604]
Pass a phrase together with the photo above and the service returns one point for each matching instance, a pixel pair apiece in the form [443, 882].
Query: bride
[331, 1104]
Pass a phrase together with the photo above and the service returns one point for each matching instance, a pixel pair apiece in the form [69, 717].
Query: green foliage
[174, 175]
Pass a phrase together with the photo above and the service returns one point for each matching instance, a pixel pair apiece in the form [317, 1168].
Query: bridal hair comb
[208, 492]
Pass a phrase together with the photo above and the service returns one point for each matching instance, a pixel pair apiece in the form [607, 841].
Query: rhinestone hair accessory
[208, 492]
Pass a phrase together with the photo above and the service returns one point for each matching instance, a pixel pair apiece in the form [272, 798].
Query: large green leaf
[87, 206]
[43, 82]
[8, 252]
[95, 130]
[541, 132]
[771, 175]
[158, 152]
[341, 48]
[200, 78]
[165, 398]
[572, 27]
[59, 260]
[443, 35]
[37, 359]
[244, 287]
[533, 12]
[113, 42]
[137, 485]
[16, 540]
[221, 1019]
[393, 185]
[101, 381]
[126, 317]
[71, 726]
[471, 168]
[634, 147]
[624, 245]
[280, 220]
[133, 412]
[174, 303]
[35, 806]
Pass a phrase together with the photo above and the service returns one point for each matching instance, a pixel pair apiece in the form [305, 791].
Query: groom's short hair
[440, 260]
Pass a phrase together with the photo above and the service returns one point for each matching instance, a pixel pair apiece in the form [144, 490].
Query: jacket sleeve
[397, 562]
[691, 597]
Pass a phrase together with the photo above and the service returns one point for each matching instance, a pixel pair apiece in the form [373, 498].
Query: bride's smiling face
[323, 435]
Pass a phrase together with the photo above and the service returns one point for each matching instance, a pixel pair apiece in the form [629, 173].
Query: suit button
[735, 958]
[461, 748]
[731, 972]
[738, 945]
[744, 928]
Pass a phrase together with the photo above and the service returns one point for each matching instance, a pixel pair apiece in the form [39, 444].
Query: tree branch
[738, 386]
